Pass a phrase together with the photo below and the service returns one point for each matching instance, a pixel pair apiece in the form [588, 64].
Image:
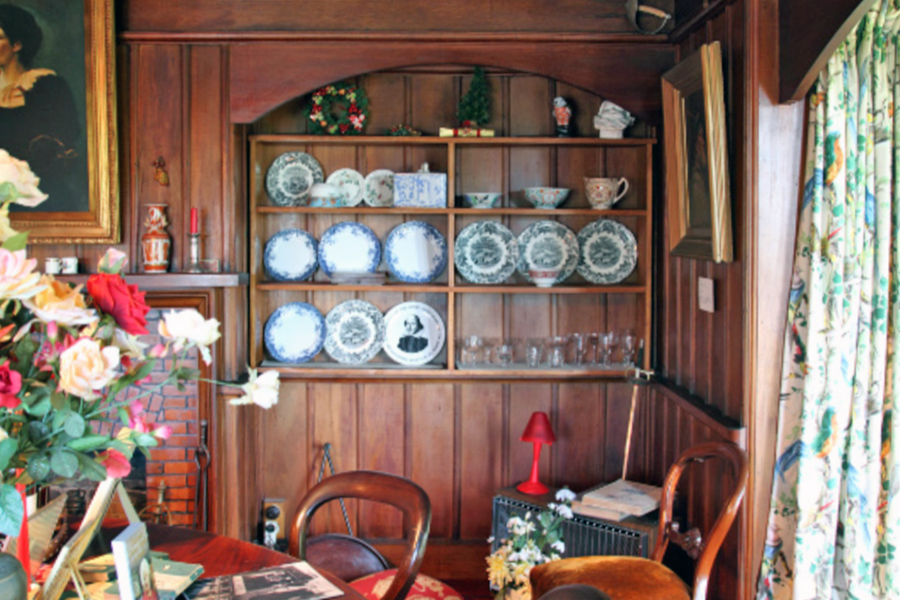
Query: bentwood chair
[355, 561]
[632, 578]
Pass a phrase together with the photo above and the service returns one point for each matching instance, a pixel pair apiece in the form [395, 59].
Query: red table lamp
[538, 431]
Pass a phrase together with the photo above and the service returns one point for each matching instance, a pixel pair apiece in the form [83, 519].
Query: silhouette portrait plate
[290, 255]
[414, 333]
[291, 177]
[486, 252]
[548, 246]
[608, 252]
[295, 333]
[415, 252]
[354, 332]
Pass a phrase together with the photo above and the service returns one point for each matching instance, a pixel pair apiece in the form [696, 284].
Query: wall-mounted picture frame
[697, 183]
[63, 123]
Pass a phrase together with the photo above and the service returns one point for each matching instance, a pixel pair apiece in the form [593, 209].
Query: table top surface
[222, 555]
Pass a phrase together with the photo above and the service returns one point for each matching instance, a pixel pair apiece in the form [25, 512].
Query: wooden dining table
[222, 555]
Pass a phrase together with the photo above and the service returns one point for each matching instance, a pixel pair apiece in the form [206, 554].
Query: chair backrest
[703, 551]
[401, 493]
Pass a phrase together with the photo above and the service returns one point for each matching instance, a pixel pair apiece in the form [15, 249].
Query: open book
[295, 581]
[619, 499]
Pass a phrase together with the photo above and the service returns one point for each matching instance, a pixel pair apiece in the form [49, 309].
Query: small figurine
[161, 176]
[563, 114]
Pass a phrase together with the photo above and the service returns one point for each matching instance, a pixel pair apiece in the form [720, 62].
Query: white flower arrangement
[530, 543]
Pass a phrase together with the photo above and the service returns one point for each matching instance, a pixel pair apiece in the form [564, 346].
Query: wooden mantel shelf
[173, 281]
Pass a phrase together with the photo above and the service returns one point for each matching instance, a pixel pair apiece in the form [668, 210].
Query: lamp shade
[538, 429]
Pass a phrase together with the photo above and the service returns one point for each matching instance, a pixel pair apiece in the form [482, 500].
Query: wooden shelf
[273, 138]
[402, 211]
[415, 288]
[171, 281]
[557, 289]
[317, 286]
[328, 371]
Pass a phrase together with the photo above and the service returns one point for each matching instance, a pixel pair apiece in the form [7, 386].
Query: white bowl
[544, 278]
[481, 199]
[546, 197]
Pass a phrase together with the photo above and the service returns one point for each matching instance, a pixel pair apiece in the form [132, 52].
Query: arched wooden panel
[265, 75]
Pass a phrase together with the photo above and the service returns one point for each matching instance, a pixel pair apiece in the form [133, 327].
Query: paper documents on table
[295, 581]
[628, 497]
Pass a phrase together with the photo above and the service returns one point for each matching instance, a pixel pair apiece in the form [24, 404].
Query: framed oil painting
[58, 113]
[697, 186]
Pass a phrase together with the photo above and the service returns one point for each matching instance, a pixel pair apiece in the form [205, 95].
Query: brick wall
[172, 461]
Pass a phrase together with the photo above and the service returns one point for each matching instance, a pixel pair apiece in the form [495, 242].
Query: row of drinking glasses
[576, 349]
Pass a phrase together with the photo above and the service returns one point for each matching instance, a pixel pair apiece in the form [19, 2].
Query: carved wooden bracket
[691, 542]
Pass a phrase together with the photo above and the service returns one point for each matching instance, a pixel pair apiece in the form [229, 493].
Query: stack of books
[618, 500]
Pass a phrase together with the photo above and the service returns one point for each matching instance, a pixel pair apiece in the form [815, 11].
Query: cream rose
[17, 276]
[24, 182]
[57, 302]
[113, 261]
[189, 328]
[261, 390]
[85, 368]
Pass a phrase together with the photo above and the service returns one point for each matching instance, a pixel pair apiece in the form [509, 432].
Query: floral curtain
[834, 525]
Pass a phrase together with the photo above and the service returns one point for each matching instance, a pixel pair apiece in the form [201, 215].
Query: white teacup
[603, 192]
[52, 266]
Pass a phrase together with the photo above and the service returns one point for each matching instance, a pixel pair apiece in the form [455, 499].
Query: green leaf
[127, 450]
[74, 425]
[38, 467]
[16, 242]
[145, 440]
[37, 431]
[59, 400]
[91, 468]
[187, 374]
[64, 464]
[88, 442]
[37, 401]
[11, 510]
[24, 355]
[141, 372]
[8, 448]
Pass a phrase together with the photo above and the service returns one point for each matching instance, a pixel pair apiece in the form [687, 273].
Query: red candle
[194, 225]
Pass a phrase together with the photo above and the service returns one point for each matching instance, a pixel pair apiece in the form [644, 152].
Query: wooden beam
[809, 33]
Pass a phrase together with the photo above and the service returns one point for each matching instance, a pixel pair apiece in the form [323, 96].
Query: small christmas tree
[475, 106]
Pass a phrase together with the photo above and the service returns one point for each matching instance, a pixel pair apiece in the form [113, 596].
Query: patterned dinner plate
[486, 252]
[354, 332]
[351, 183]
[290, 178]
[415, 252]
[608, 252]
[548, 245]
[414, 333]
[295, 333]
[349, 247]
[290, 255]
[379, 188]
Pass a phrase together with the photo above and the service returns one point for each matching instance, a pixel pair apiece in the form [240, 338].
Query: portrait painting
[697, 183]
[57, 113]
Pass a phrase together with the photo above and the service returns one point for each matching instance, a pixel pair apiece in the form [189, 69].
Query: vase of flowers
[69, 356]
[533, 540]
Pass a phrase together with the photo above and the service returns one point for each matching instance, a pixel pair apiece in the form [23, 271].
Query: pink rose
[115, 462]
[10, 385]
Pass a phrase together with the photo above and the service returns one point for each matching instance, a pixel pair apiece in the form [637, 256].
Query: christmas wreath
[338, 109]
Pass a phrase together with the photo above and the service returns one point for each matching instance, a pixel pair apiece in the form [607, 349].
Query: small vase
[156, 243]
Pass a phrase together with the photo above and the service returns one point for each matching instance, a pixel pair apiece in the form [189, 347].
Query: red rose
[124, 302]
[10, 385]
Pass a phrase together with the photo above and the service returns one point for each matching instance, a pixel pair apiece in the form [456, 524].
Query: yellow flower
[85, 368]
[59, 303]
[497, 571]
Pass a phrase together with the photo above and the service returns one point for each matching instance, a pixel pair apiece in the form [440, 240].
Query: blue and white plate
[290, 255]
[354, 332]
[608, 252]
[548, 246]
[415, 252]
[290, 178]
[414, 333]
[486, 252]
[349, 247]
[295, 333]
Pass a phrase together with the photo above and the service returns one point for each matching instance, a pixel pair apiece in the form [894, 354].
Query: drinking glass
[557, 350]
[579, 346]
[594, 344]
[606, 341]
[471, 350]
[534, 352]
[629, 346]
[503, 353]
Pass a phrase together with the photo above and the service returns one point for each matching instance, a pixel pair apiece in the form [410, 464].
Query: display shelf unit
[506, 165]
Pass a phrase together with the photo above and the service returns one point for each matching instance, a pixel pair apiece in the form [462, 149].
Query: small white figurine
[611, 120]
[563, 114]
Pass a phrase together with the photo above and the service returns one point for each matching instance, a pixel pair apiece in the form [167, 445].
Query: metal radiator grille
[583, 536]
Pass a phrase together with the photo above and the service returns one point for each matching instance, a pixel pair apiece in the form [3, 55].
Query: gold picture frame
[90, 215]
[697, 183]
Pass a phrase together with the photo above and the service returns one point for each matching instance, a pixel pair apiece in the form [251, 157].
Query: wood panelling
[408, 16]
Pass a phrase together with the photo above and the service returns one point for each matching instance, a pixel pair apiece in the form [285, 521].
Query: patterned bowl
[325, 195]
[544, 278]
[481, 199]
[546, 197]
